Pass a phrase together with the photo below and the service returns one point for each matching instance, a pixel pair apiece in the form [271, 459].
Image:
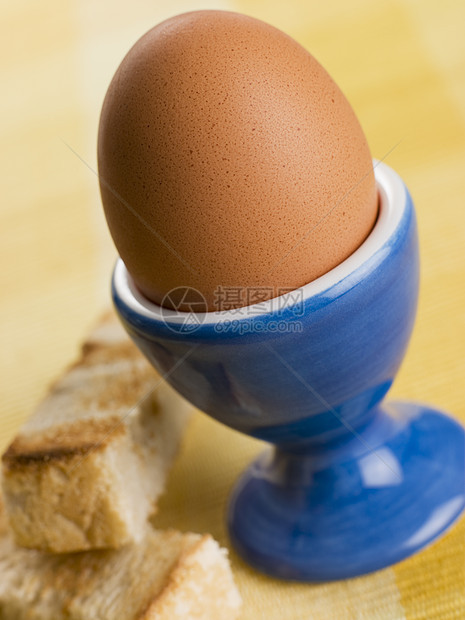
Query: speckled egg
[230, 160]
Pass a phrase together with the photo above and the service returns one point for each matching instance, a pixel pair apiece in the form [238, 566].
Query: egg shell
[230, 162]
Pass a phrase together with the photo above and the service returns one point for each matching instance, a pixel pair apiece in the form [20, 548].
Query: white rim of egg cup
[392, 204]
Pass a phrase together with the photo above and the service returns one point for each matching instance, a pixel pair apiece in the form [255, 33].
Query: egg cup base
[356, 507]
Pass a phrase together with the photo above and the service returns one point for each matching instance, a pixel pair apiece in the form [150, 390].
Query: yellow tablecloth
[402, 66]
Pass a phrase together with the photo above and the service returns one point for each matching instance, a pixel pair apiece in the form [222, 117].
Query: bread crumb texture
[167, 575]
[86, 469]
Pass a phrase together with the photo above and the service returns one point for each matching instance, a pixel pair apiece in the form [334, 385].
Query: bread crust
[151, 580]
[61, 443]
[87, 468]
[201, 569]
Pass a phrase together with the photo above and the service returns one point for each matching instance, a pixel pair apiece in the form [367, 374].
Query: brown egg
[230, 161]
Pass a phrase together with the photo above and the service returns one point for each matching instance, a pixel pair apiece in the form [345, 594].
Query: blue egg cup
[351, 484]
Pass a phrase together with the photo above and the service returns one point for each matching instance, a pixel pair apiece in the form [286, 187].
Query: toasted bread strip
[167, 576]
[86, 469]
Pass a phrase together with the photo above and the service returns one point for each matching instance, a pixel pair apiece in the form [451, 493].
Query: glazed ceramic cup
[351, 484]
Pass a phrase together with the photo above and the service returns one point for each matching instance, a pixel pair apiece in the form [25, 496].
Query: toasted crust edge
[66, 441]
[179, 576]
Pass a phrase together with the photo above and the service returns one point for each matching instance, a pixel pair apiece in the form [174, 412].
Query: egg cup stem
[354, 506]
